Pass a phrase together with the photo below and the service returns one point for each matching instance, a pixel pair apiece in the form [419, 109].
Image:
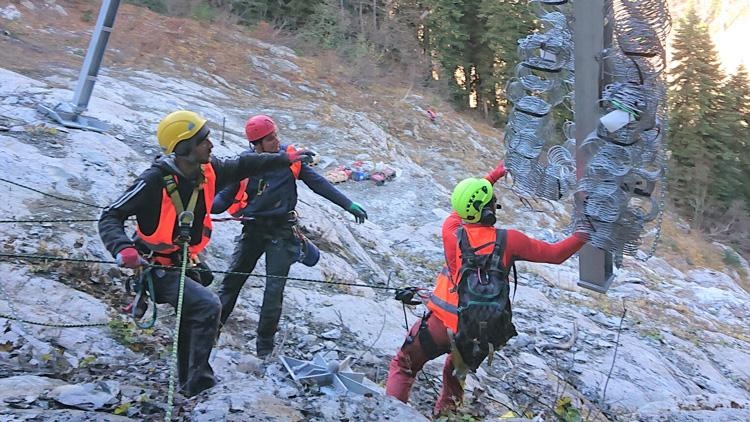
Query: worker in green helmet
[475, 251]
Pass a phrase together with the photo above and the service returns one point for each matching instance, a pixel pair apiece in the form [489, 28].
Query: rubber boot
[264, 346]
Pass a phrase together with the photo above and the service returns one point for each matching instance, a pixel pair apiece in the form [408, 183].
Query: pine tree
[729, 179]
[504, 22]
[480, 39]
[696, 132]
[738, 103]
[449, 38]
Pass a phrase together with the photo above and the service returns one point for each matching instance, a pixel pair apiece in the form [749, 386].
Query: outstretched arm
[225, 198]
[523, 248]
[250, 164]
[323, 187]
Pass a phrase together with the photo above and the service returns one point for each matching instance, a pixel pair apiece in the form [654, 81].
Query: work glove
[129, 258]
[300, 155]
[497, 173]
[359, 213]
[202, 274]
[406, 296]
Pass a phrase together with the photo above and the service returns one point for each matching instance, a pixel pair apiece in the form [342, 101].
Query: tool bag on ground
[484, 309]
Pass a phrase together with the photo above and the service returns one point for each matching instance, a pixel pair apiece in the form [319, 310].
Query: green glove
[359, 213]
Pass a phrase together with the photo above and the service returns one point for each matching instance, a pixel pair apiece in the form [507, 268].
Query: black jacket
[273, 193]
[143, 198]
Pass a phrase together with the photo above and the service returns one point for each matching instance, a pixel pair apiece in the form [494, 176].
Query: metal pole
[69, 114]
[94, 55]
[591, 38]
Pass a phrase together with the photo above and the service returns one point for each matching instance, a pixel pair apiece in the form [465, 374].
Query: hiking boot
[264, 347]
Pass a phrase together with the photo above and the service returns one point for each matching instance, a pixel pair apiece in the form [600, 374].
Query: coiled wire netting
[620, 195]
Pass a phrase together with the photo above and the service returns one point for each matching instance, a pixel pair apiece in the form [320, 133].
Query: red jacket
[518, 247]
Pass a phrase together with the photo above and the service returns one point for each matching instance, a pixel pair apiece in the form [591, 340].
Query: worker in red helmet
[266, 203]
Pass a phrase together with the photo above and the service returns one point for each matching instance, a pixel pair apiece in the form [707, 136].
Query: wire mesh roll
[640, 28]
[605, 201]
[524, 143]
[654, 13]
[612, 159]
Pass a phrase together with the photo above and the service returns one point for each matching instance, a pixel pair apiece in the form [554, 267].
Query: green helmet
[470, 196]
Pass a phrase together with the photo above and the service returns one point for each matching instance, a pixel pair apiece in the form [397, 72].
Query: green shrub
[87, 16]
[731, 259]
[204, 12]
[158, 6]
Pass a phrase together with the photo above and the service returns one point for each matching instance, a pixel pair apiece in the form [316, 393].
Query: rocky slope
[681, 350]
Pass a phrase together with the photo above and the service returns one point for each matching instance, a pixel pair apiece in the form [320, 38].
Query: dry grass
[687, 249]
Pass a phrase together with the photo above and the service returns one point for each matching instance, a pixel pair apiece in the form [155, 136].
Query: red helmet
[259, 126]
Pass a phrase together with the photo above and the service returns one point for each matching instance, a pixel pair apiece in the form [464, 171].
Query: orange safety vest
[161, 240]
[444, 299]
[240, 198]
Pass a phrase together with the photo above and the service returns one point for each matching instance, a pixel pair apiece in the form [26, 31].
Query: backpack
[484, 311]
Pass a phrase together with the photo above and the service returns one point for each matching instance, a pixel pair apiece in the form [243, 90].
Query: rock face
[681, 350]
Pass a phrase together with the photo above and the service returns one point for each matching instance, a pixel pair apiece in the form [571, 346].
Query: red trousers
[411, 358]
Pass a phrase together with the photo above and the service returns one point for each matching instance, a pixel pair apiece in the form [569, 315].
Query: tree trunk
[361, 18]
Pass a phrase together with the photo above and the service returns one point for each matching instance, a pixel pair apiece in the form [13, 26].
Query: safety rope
[12, 309]
[168, 267]
[72, 220]
[178, 310]
[62, 198]
[14, 317]
[93, 220]
[216, 219]
[47, 324]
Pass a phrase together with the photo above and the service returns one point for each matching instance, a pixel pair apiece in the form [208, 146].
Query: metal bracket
[64, 114]
[336, 377]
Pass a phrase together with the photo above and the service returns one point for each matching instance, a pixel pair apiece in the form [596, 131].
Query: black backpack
[484, 313]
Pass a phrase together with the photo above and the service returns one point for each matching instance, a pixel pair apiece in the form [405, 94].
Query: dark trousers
[199, 325]
[282, 249]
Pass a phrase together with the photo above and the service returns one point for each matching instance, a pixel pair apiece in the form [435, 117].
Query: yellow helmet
[181, 125]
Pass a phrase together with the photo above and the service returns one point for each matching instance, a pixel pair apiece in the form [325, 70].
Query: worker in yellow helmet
[172, 203]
